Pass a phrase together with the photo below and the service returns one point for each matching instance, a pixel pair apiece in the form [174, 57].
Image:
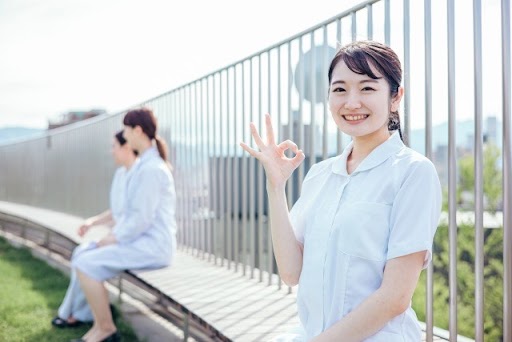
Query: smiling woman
[362, 229]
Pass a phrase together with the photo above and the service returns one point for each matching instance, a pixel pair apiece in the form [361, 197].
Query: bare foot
[89, 333]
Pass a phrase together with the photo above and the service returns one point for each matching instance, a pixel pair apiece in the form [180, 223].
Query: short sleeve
[415, 212]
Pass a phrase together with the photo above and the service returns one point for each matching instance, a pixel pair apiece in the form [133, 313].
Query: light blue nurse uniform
[351, 225]
[146, 234]
[74, 303]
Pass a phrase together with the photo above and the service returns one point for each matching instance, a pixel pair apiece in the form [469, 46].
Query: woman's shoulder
[412, 162]
[321, 168]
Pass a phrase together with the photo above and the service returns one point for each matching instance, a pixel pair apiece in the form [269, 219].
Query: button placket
[333, 210]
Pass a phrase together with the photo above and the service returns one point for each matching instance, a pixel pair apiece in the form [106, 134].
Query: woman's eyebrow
[369, 80]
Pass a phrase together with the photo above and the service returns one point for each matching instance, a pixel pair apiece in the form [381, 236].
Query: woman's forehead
[342, 72]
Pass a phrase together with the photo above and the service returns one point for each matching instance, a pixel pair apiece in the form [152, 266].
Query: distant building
[74, 116]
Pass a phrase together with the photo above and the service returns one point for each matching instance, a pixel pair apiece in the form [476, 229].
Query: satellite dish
[319, 53]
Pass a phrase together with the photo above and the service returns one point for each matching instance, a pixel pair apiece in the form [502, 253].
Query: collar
[375, 158]
[149, 154]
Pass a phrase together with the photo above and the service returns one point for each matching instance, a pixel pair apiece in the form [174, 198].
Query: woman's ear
[395, 101]
[138, 130]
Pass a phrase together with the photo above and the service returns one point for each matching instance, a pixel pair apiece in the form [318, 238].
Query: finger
[270, 132]
[256, 136]
[249, 150]
[298, 159]
[288, 144]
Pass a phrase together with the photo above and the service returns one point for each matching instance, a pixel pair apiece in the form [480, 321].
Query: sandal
[62, 323]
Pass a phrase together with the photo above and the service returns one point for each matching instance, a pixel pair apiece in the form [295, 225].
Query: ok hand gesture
[278, 167]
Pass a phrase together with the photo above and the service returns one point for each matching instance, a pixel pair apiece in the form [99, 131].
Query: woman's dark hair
[121, 140]
[359, 55]
[146, 120]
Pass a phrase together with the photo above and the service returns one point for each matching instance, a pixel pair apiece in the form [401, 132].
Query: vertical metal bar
[183, 169]
[246, 139]
[339, 144]
[229, 173]
[301, 110]
[407, 68]
[428, 153]
[313, 86]
[260, 177]
[353, 17]
[252, 180]
[387, 22]
[452, 167]
[507, 172]
[188, 126]
[195, 166]
[279, 139]
[479, 191]
[201, 166]
[270, 255]
[198, 169]
[184, 163]
[190, 182]
[222, 170]
[369, 28]
[324, 68]
[289, 185]
[215, 168]
[208, 162]
[236, 170]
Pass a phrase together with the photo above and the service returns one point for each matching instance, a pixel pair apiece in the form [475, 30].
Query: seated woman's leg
[74, 308]
[100, 264]
[91, 269]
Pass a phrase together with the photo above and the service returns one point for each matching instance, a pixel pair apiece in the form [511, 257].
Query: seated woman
[146, 236]
[74, 310]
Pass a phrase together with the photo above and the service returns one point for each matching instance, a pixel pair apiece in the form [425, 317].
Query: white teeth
[354, 117]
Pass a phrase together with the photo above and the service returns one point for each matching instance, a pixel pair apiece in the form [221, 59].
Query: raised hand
[278, 167]
[84, 228]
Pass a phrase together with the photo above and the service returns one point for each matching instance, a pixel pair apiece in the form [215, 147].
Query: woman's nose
[353, 102]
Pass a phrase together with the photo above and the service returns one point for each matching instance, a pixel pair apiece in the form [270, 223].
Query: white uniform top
[150, 206]
[117, 193]
[351, 225]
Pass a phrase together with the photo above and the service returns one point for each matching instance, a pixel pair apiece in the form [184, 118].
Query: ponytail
[394, 123]
[162, 149]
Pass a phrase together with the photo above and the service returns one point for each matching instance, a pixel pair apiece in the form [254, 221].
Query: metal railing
[222, 207]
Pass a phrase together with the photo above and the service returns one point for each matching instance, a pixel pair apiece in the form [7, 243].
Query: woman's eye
[368, 89]
[338, 90]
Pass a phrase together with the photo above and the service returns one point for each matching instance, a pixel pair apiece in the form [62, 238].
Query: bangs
[357, 61]
[129, 119]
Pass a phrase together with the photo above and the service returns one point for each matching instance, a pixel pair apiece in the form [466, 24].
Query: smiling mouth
[357, 117]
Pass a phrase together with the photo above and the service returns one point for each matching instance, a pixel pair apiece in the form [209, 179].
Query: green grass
[30, 294]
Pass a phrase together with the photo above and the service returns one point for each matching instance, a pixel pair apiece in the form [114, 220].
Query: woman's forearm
[367, 319]
[103, 218]
[287, 250]
[390, 300]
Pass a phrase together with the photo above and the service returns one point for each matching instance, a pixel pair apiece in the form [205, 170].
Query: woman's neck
[144, 146]
[363, 146]
[129, 163]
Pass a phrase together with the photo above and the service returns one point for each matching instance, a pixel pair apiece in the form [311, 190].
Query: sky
[61, 55]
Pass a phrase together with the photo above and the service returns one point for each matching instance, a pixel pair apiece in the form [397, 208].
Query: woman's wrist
[276, 189]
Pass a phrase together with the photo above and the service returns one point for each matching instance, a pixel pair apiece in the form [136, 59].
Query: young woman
[146, 236]
[362, 230]
[74, 310]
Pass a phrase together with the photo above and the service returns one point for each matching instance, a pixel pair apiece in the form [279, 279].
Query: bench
[210, 302]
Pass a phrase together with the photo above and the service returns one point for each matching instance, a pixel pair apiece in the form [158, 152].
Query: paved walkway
[242, 309]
